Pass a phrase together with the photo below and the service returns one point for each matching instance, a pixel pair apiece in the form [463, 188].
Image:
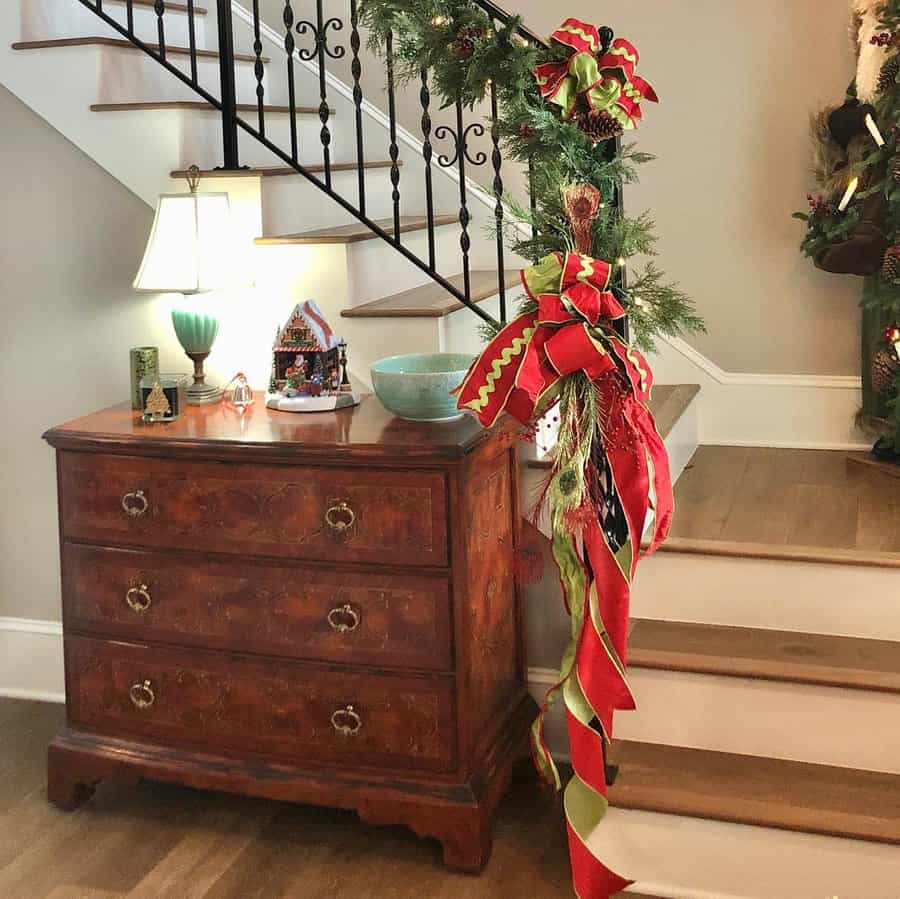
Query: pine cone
[885, 366]
[890, 267]
[888, 76]
[463, 45]
[599, 125]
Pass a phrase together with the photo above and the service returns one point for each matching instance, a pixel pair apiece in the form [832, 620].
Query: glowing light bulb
[439, 20]
[848, 195]
[873, 130]
[620, 261]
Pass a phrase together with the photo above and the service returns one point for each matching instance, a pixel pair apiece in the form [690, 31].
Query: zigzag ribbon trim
[507, 354]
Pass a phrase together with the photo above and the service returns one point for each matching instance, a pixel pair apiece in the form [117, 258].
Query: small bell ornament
[238, 393]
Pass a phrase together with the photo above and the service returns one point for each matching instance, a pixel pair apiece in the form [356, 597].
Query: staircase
[761, 763]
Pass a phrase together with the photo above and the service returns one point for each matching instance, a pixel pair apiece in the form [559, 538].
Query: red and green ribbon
[519, 372]
[603, 80]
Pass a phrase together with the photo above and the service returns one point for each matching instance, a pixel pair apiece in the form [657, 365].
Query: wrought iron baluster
[160, 9]
[394, 149]
[461, 156]
[356, 71]
[427, 153]
[319, 31]
[532, 197]
[497, 161]
[259, 70]
[129, 13]
[226, 83]
[192, 39]
[287, 17]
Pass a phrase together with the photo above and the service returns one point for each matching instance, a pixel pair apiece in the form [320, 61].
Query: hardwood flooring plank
[707, 491]
[222, 829]
[781, 503]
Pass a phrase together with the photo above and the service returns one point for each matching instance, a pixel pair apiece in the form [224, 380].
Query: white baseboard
[777, 410]
[31, 660]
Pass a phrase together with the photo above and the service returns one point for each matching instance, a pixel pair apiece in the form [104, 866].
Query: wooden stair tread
[170, 7]
[431, 300]
[869, 465]
[820, 799]
[200, 105]
[353, 233]
[786, 505]
[124, 44]
[280, 171]
[787, 656]
[668, 403]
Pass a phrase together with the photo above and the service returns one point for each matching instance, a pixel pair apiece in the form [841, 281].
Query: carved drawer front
[360, 515]
[226, 702]
[313, 612]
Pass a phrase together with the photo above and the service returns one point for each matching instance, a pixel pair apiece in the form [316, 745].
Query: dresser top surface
[366, 430]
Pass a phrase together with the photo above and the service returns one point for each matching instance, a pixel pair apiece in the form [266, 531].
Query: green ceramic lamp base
[196, 333]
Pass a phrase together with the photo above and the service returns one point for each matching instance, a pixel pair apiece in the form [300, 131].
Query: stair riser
[367, 262]
[132, 76]
[824, 725]
[49, 19]
[292, 205]
[843, 600]
[689, 858]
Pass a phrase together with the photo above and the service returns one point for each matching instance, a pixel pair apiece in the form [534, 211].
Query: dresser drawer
[296, 712]
[361, 515]
[299, 611]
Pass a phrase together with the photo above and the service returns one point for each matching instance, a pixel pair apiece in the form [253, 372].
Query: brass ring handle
[135, 504]
[346, 722]
[142, 695]
[138, 598]
[344, 619]
[342, 523]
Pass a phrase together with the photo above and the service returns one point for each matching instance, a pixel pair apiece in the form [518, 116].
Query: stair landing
[802, 505]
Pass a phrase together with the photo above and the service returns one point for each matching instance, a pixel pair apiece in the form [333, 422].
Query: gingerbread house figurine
[309, 365]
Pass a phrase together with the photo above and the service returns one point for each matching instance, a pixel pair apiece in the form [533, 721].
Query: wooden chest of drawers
[314, 608]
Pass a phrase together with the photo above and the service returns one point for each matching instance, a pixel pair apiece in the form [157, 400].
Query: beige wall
[738, 81]
[71, 238]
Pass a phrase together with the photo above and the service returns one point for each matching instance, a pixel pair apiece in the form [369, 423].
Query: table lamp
[191, 251]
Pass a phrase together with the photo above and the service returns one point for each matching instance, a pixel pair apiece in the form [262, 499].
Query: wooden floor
[786, 498]
[157, 841]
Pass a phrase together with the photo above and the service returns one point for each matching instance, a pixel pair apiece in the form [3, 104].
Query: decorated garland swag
[560, 107]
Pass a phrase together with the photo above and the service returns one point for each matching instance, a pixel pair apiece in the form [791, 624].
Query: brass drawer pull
[346, 722]
[138, 599]
[344, 619]
[142, 695]
[135, 504]
[340, 518]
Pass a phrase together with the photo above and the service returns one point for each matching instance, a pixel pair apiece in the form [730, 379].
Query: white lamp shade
[191, 246]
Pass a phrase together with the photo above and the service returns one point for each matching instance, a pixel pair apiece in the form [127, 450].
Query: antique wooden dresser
[314, 608]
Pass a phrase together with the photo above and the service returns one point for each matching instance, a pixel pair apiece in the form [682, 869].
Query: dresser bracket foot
[66, 787]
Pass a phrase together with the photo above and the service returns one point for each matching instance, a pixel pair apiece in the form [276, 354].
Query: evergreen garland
[879, 173]
[465, 51]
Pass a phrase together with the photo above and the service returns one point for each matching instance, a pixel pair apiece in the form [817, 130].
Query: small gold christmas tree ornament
[157, 406]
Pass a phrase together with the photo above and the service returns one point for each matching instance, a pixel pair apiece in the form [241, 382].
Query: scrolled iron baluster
[259, 70]
[356, 72]
[532, 196]
[394, 148]
[160, 8]
[497, 160]
[129, 14]
[428, 153]
[320, 50]
[461, 156]
[287, 17]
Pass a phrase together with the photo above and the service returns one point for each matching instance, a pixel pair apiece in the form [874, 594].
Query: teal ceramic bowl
[418, 386]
